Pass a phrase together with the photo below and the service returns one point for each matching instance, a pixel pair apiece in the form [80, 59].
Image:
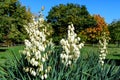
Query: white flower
[49, 68]
[71, 46]
[41, 48]
[43, 59]
[82, 44]
[71, 39]
[41, 67]
[26, 69]
[102, 51]
[36, 43]
[103, 48]
[69, 62]
[103, 55]
[102, 62]
[46, 71]
[41, 19]
[33, 62]
[38, 55]
[66, 50]
[62, 41]
[33, 73]
[62, 56]
[66, 58]
[28, 53]
[63, 61]
[78, 39]
[32, 39]
[37, 32]
[42, 77]
[35, 47]
[69, 27]
[37, 38]
[45, 75]
[36, 63]
[78, 53]
[24, 52]
[27, 43]
[100, 58]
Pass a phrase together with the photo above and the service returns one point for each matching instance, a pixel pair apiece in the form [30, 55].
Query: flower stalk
[35, 48]
[71, 47]
[103, 48]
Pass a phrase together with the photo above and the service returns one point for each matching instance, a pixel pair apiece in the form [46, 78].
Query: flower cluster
[103, 48]
[35, 48]
[71, 47]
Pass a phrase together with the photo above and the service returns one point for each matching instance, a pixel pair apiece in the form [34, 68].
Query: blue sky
[109, 9]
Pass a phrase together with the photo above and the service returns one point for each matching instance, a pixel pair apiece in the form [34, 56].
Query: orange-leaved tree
[93, 33]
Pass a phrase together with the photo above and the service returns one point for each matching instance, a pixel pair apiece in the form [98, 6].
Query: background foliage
[114, 29]
[93, 33]
[13, 16]
[61, 15]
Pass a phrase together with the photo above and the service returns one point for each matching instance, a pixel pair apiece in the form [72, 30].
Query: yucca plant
[39, 54]
[84, 69]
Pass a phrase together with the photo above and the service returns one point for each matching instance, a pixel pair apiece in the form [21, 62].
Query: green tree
[114, 29]
[61, 15]
[13, 16]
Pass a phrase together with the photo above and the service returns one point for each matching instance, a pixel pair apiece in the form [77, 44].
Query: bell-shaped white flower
[71, 47]
[103, 47]
[36, 47]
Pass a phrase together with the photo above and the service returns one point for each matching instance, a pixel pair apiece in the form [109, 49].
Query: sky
[109, 9]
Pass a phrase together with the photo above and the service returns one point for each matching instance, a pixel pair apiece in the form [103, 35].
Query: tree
[93, 33]
[62, 15]
[13, 16]
[114, 29]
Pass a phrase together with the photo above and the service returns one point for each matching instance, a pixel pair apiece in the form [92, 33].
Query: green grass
[113, 51]
[6, 53]
[7, 56]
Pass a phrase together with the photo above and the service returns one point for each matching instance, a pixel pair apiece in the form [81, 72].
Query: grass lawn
[6, 53]
[113, 51]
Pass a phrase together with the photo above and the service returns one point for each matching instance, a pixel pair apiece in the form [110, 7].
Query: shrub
[84, 69]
